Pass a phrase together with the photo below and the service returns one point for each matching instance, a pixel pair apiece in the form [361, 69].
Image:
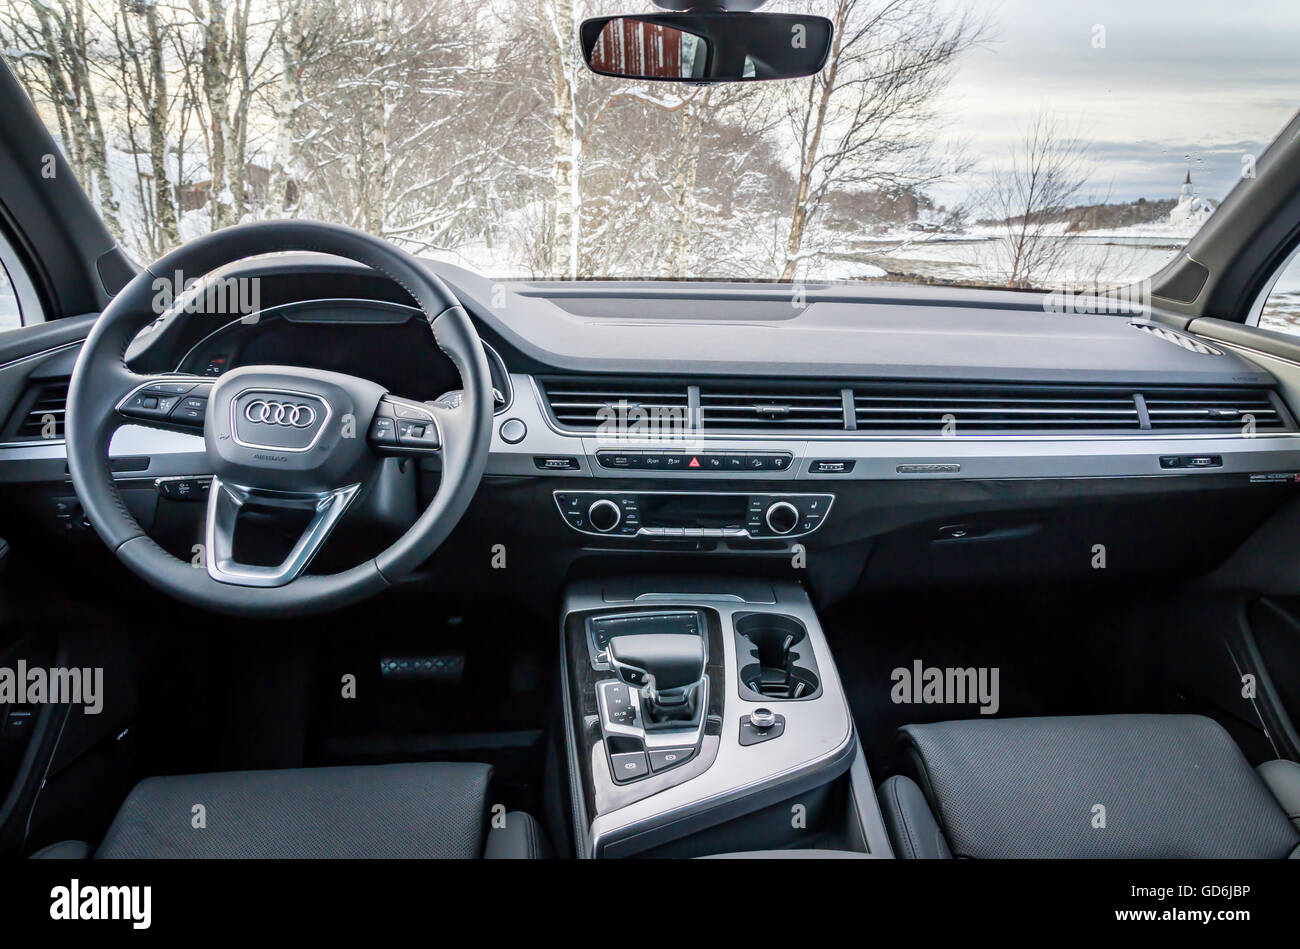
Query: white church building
[1191, 209]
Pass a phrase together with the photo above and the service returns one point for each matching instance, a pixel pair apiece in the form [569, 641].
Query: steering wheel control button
[664, 758]
[191, 410]
[147, 405]
[513, 431]
[752, 734]
[629, 766]
[417, 434]
[170, 388]
[383, 430]
[184, 489]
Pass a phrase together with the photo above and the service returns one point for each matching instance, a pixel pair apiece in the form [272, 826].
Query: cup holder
[775, 658]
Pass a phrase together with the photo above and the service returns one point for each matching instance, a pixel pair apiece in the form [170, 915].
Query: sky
[1156, 87]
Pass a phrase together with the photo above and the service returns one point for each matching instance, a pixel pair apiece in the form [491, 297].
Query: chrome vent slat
[50, 400]
[1131, 411]
[985, 410]
[769, 408]
[1214, 410]
[587, 404]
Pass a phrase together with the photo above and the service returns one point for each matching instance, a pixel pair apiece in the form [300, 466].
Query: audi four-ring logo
[280, 413]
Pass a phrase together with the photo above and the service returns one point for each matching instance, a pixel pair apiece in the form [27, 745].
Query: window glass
[10, 315]
[1282, 308]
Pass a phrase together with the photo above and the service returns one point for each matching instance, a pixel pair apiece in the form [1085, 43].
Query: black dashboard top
[818, 331]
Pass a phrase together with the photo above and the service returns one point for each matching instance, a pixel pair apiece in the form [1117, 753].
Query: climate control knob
[782, 517]
[604, 515]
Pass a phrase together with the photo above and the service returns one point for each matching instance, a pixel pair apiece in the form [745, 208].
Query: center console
[706, 717]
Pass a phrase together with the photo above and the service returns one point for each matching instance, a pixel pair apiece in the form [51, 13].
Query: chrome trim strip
[509, 394]
[700, 438]
[1255, 352]
[42, 354]
[224, 503]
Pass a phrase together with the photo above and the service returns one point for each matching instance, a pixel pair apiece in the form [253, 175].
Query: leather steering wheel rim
[101, 379]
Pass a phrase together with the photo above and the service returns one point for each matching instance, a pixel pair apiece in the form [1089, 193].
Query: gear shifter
[667, 668]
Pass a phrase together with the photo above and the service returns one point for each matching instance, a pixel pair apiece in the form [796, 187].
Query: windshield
[1021, 144]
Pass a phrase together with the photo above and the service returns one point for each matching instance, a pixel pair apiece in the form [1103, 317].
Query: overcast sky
[1178, 84]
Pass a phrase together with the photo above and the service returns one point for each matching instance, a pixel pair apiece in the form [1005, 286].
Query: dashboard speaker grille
[1190, 343]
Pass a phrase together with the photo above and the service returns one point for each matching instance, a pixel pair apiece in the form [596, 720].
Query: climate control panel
[673, 515]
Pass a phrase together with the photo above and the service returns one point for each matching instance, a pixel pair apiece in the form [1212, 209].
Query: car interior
[412, 561]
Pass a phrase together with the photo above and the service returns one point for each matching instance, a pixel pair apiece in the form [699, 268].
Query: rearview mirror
[706, 47]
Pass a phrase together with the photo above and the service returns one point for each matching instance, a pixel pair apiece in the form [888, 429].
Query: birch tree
[55, 34]
[870, 117]
[559, 29]
[137, 73]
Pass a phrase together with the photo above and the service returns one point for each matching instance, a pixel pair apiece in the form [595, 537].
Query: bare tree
[55, 34]
[870, 117]
[306, 35]
[560, 33]
[136, 73]
[1030, 197]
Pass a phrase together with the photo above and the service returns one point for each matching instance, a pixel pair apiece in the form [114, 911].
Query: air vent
[1189, 343]
[769, 407]
[39, 415]
[588, 403]
[927, 409]
[1206, 410]
[1005, 410]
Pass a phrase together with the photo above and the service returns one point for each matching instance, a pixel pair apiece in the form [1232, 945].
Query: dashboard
[912, 433]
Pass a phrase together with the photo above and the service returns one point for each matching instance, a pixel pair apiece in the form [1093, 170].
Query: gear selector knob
[658, 662]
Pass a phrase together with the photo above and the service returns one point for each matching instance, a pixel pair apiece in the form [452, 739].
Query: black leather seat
[438, 811]
[1094, 786]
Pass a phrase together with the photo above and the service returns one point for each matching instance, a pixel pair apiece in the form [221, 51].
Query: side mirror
[707, 47]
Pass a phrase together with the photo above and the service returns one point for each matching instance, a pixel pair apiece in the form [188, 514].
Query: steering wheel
[277, 437]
